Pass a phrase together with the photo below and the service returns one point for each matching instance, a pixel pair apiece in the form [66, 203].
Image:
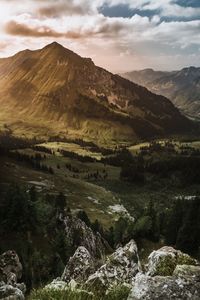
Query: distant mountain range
[55, 92]
[181, 87]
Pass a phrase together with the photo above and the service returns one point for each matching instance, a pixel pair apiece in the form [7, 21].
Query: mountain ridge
[54, 85]
[182, 87]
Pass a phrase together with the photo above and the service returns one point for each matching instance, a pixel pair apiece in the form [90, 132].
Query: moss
[60, 294]
[166, 266]
[120, 292]
[184, 259]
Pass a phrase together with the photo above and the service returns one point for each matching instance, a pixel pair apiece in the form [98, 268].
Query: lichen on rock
[119, 268]
[79, 267]
[187, 270]
[74, 227]
[164, 288]
[164, 261]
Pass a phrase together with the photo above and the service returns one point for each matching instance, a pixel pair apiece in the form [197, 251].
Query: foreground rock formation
[169, 274]
[119, 268]
[10, 273]
[164, 261]
[79, 267]
[165, 288]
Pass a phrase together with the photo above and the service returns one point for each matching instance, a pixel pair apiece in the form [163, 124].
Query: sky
[119, 35]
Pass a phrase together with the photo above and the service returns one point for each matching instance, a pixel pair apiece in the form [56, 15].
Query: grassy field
[98, 196]
[80, 192]
[72, 147]
[135, 149]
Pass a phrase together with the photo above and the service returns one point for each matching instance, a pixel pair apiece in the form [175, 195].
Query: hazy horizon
[115, 71]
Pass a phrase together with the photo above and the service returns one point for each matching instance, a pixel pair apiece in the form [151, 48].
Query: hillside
[55, 92]
[182, 87]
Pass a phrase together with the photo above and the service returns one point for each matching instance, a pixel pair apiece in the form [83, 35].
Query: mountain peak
[56, 47]
[53, 45]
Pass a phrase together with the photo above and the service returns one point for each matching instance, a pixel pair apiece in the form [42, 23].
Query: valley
[96, 172]
[91, 180]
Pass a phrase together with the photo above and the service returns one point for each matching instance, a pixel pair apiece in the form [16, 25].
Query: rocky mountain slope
[53, 91]
[182, 87]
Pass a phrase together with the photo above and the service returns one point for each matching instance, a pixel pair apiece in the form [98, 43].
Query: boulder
[79, 267]
[57, 284]
[10, 273]
[187, 270]
[10, 267]
[164, 261]
[119, 268]
[164, 288]
[68, 288]
[9, 292]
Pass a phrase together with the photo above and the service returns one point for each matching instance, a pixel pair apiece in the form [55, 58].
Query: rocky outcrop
[171, 274]
[164, 288]
[79, 267]
[79, 234]
[120, 268]
[164, 261]
[10, 273]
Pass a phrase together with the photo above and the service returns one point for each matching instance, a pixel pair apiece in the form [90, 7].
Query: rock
[10, 273]
[79, 267]
[120, 268]
[10, 267]
[9, 292]
[164, 288]
[163, 261]
[77, 232]
[58, 284]
[187, 270]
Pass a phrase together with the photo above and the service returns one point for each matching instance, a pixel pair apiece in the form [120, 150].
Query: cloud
[75, 27]
[15, 28]
[136, 29]
[60, 8]
[166, 8]
[3, 45]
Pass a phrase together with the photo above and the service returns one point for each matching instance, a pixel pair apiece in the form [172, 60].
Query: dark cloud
[63, 8]
[188, 3]
[14, 28]
[121, 10]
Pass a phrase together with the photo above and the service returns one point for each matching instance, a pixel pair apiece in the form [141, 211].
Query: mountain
[182, 87]
[55, 92]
